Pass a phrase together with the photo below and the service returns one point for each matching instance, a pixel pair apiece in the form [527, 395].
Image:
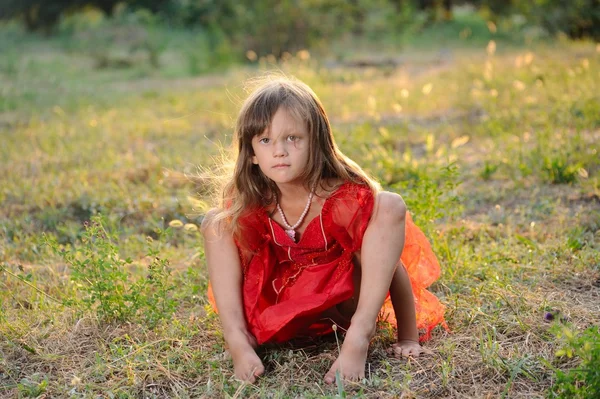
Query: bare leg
[404, 309]
[382, 245]
[225, 273]
[402, 298]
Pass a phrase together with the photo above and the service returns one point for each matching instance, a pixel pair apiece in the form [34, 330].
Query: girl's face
[281, 151]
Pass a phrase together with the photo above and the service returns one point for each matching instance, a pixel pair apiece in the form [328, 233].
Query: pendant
[291, 234]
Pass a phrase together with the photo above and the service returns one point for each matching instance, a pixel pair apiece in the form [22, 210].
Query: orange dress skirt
[288, 285]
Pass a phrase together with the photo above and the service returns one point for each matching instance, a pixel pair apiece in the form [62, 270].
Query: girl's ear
[254, 160]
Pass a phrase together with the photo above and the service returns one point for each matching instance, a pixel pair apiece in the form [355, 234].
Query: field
[494, 146]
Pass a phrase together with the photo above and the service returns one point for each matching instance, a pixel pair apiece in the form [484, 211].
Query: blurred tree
[34, 13]
[40, 15]
[495, 7]
[275, 26]
[435, 10]
[576, 18]
[269, 26]
[107, 6]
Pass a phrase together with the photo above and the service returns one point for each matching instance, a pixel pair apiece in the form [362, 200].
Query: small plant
[158, 304]
[576, 238]
[584, 380]
[339, 381]
[559, 171]
[431, 196]
[489, 169]
[105, 284]
[32, 386]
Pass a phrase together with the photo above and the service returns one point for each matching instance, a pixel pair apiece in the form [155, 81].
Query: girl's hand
[409, 348]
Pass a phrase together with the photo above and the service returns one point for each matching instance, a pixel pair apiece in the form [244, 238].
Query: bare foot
[409, 348]
[246, 363]
[352, 358]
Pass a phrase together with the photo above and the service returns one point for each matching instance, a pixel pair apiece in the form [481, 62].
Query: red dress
[288, 285]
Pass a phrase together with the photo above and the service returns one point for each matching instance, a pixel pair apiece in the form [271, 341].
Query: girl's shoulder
[347, 212]
[339, 187]
[353, 189]
[349, 196]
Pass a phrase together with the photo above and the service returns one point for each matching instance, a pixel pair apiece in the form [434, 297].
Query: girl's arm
[225, 274]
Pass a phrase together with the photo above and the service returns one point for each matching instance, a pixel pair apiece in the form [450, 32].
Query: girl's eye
[293, 138]
[264, 140]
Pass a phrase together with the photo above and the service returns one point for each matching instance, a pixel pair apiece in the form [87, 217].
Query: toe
[257, 371]
[330, 376]
[329, 379]
[248, 378]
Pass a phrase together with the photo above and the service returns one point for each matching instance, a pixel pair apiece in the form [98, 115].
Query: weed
[431, 196]
[582, 381]
[33, 386]
[103, 279]
[558, 170]
[576, 238]
[488, 170]
[339, 381]
[157, 289]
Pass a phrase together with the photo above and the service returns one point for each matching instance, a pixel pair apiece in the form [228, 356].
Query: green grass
[495, 153]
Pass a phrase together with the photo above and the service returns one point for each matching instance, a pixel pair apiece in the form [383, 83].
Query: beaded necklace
[289, 229]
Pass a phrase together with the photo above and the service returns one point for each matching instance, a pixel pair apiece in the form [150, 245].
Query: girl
[305, 239]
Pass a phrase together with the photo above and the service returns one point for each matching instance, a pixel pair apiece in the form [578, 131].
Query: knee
[390, 207]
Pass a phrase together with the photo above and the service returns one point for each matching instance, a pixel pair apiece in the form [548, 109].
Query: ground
[494, 149]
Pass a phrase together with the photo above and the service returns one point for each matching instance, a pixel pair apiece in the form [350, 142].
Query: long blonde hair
[249, 188]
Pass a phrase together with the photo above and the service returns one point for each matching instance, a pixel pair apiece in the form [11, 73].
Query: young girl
[305, 239]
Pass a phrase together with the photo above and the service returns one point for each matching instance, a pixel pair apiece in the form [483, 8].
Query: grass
[494, 150]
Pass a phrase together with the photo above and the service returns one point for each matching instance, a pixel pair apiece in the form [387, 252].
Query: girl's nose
[279, 149]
